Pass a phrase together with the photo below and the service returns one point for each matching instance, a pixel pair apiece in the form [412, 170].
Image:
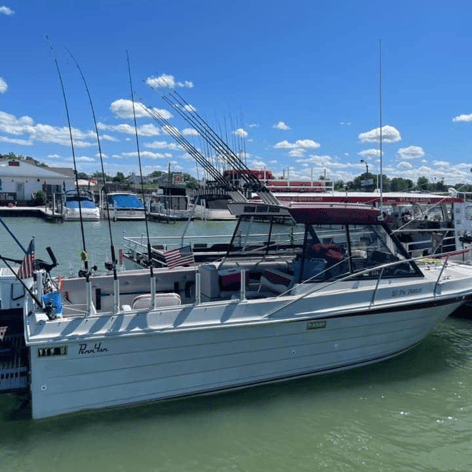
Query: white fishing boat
[80, 204]
[301, 290]
[123, 206]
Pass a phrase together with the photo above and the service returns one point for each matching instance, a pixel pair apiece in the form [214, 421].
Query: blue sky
[294, 84]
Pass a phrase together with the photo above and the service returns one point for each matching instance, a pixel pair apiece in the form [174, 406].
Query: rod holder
[116, 295]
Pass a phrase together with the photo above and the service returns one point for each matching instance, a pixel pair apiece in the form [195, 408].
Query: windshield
[335, 251]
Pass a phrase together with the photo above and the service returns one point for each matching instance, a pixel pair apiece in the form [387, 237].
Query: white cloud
[3, 85]
[411, 152]
[167, 81]
[297, 152]
[107, 137]
[9, 124]
[389, 135]
[370, 153]
[462, 118]
[190, 132]
[343, 123]
[301, 143]
[441, 164]
[315, 159]
[144, 130]
[6, 11]
[21, 142]
[405, 165]
[147, 154]
[241, 133]
[124, 109]
[163, 145]
[281, 125]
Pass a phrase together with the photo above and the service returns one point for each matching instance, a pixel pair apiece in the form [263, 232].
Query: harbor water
[410, 413]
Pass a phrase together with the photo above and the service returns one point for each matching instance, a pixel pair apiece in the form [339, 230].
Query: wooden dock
[38, 212]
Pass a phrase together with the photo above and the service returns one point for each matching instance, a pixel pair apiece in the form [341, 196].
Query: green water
[411, 413]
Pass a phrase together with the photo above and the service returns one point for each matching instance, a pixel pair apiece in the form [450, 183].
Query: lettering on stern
[96, 348]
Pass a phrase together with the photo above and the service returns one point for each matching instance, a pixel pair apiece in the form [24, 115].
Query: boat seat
[144, 302]
[276, 281]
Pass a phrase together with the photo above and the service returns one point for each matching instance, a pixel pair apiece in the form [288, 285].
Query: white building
[20, 180]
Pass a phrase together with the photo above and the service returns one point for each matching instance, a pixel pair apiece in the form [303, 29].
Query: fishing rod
[146, 215]
[83, 254]
[189, 114]
[204, 130]
[112, 246]
[207, 166]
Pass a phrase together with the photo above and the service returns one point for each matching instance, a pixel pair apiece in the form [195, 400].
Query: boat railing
[443, 260]
[139, 245]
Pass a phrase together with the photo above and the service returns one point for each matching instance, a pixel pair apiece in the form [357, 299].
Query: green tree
[119, 177]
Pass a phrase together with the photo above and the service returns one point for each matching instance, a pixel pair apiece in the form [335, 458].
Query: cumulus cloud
[147, 154]
[405, 165]
[190, 132]
[163, 145]
[389, 135]
[10, 124]
[441, 163]
[301, 143]
[144, 130]
[3, 85]
[460, 118]
[411, 152]
[369, 153]
[241, 133]
[315, 159]
[124, 109]
[167, 81]
[281, 125]
[6, 11]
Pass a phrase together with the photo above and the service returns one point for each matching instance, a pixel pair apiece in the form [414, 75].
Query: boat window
[262, 235]
[335, 251]
[468, 212]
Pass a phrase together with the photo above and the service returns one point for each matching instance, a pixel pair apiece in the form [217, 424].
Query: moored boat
[301, 290]
[123, 206]
[80, 205]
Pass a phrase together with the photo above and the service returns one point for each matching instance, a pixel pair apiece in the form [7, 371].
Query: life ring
[59, 282]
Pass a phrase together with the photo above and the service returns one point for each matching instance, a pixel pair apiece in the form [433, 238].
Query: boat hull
[165, 360]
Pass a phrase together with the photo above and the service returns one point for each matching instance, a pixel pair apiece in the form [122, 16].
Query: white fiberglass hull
[86, 215]
[105, 361]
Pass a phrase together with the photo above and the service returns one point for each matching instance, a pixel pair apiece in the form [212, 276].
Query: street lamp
[366, 167]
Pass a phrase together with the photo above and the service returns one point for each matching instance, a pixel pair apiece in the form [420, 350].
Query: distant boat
[123, 206]
[80, 204]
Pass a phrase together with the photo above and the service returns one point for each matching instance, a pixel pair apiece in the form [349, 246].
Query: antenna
[380, 118]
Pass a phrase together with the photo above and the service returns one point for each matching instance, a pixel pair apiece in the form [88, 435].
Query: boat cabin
[280, 247]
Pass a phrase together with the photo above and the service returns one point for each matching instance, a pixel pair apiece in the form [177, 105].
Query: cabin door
[20, 190]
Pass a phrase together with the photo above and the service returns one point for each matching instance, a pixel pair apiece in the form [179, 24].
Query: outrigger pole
[146, 214]
[116, 303]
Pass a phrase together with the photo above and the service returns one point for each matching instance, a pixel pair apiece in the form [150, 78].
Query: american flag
[26, 268]
[179, 257]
